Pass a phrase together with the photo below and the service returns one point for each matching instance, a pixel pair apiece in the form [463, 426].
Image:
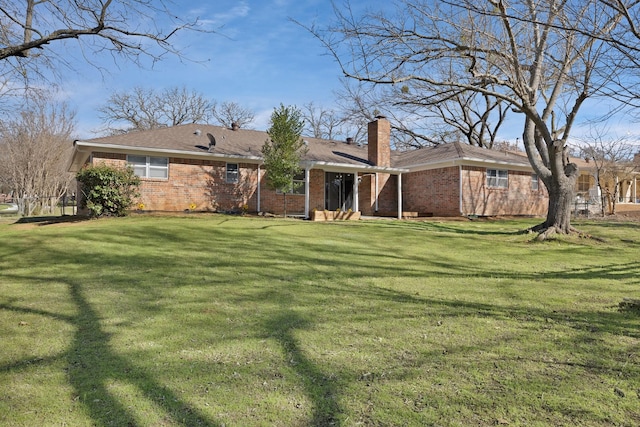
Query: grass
[222, 320]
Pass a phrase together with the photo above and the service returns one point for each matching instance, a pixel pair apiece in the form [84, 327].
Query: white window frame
[497, 178]
[150, 168]
[535, 182]
[232, 176]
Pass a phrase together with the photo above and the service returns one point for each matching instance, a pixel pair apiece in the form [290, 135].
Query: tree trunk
[561, 199]
[284, 203]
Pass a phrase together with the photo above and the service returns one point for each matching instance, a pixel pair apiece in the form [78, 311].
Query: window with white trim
[233, 173]
[535, 182]
[149, 167]
[297, 185]
[497, 178]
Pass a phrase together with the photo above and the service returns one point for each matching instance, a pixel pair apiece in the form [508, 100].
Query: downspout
[399, 196]
[259, 180]
[460, 189]
[307, 174]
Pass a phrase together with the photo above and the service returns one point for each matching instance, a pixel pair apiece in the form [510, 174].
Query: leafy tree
[107, 190]
[35, 145]
[541, 59]
[283, 150]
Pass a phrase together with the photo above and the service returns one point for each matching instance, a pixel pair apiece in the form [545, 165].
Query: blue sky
[258, 58]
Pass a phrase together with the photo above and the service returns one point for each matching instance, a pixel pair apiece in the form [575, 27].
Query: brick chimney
[636, 158]
[379, 138]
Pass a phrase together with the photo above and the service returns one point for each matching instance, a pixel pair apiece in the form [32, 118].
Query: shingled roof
[193, 140]
[244, 145]
[455, 153]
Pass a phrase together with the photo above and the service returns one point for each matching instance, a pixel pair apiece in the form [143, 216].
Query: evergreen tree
[283, 150]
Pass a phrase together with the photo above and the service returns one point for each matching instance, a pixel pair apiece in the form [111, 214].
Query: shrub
[107, 190]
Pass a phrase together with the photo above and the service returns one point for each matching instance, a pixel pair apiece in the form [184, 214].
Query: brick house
[210, 168]
[462, 180]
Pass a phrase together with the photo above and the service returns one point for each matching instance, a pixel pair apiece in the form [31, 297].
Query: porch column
[307, 174]
[376, 195]
[356, 196]
[258, 192]
[399, 196]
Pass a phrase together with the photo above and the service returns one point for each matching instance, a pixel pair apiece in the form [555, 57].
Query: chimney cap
[380, 116]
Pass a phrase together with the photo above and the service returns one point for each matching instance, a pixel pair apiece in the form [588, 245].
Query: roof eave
[338, 167]
[469, 161]
[115, 148]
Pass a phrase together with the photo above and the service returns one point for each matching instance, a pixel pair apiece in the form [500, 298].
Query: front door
[338, 193]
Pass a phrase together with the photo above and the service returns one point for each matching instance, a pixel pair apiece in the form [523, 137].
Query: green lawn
[222, 320]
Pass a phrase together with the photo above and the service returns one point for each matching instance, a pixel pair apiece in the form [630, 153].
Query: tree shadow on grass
[51, 220]
[450, 227]
[93, 365]
[320, 389]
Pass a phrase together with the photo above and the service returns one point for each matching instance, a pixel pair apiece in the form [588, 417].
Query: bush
[107, 190]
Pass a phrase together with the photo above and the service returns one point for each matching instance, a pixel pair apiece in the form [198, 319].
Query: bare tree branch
[126, 29]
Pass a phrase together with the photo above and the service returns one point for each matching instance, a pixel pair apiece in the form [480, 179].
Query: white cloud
[239, 11]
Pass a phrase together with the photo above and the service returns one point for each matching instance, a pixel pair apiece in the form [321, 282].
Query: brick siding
[518, 199]
[437, 192]
[432, 192]
[203, 183]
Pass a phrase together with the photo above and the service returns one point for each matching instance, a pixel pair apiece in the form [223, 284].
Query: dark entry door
[338, 193]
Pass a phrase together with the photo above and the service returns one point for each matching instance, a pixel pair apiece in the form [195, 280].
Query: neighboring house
[622, 176]
[211, 168]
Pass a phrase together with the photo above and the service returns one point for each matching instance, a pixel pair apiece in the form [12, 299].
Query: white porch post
[376, 195]
[258, 192]
[356, 196]
[399, 196]
[307, 174]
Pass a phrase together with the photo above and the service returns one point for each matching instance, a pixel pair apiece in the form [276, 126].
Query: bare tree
[130, 29]
[418, 120]
[143, 109]
[35, 145]
[541, 59]
[179, 106]
[322, 122]
[232, 115]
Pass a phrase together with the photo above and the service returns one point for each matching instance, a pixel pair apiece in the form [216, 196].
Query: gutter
[471, 162]
[177, 153]
[341, 167]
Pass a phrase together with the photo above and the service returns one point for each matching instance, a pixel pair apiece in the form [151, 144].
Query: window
[497, 178]
[535, 184]
[149, 167]
[297, 185]
[584, 183]
[232, 173]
